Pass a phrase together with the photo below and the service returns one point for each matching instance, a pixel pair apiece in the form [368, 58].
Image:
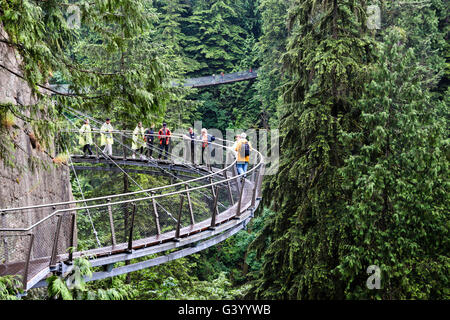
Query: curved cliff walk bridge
[200, 206]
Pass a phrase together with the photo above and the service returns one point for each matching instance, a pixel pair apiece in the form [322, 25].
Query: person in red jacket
[164, 140]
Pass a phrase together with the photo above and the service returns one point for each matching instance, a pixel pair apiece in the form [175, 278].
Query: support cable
[82, 196]
[106, 155]
[151, 160]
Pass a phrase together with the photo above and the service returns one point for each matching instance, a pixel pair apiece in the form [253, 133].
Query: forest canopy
[362, 112]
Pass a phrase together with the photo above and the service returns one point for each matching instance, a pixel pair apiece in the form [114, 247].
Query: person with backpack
[106, 137]
[138, 140]
[85, 139]
[242, 148]
[149, 138]
[164, 140]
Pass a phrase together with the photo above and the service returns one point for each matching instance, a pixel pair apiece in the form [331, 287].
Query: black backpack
[246, 150]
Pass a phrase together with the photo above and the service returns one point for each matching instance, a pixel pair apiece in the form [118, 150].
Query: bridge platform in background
[215, 80]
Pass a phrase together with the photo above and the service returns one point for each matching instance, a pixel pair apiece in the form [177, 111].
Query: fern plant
[74, 286]
[10, 288]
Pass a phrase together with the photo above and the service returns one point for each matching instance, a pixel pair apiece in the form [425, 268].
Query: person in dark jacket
[192, 137]
[149, 138]
[189, 140]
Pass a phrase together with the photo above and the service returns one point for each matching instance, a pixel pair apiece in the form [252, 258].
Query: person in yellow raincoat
[106, 138]
[243, 148]
[138, 143]
[85, 139]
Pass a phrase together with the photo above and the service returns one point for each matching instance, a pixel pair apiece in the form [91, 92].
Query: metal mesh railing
[118, 222]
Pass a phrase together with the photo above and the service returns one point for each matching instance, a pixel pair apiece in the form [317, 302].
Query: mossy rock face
[14, 89]
[27, 173]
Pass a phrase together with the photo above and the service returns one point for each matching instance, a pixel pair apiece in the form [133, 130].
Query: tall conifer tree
[271, 46]
[327, 55]
[215, 38]
[396, 217]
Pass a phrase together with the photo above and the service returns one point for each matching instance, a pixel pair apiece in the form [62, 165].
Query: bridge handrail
[129, 200]
[152, 190]
[7, 210]
[44, 262]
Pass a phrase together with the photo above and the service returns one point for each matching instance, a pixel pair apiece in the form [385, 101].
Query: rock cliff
[26, 183]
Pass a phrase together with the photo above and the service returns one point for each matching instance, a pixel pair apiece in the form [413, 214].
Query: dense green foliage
[397, 216]
[215, 36]
[327, 54]
[271, 46]
[363, 117]
[363, 178]
[104, 53]
[10, 288]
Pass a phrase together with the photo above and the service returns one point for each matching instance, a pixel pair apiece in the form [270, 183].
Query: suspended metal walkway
[199, 82]
[201, 206]
[218, 79]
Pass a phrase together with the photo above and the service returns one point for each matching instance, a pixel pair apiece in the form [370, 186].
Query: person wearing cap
[242, 158]
[138, 140]
[85, 139]
[106, 138]
[164, 140]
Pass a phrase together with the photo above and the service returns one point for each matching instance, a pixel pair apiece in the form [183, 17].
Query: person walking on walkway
[191, 136]
[106, 137]
[149, 138]
[85, 139]
[242, 148]
[164, 141]
[206, 140]
[138, 140]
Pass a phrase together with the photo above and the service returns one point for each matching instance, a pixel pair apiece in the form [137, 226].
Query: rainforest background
[363, 120]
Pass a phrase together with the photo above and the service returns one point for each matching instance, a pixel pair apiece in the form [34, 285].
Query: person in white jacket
[138, 143]
[206, 140]
[85, 139]
[106, 137]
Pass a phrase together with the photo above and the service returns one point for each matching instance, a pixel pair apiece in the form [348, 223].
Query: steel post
[191, 212]
[230, 193]
[72, 237]
[55, 242]
[255, 187]
[214, 211]
[177, 232]
[130, 237]
[215, 194]
[155, 210]
[4, 240]
[27, 262]
[111, 224]
[238, 209]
